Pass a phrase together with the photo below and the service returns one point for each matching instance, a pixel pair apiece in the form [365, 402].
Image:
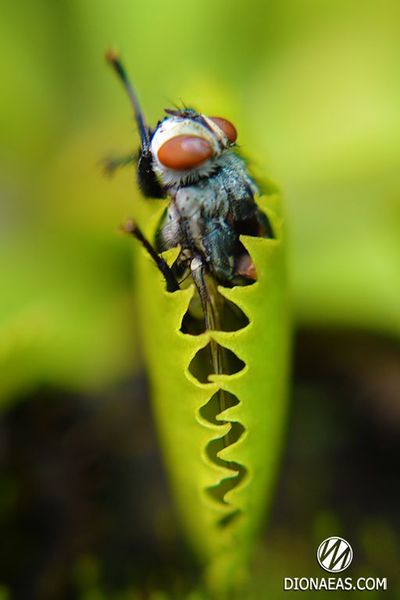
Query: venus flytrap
[214, 320]
[259, 391]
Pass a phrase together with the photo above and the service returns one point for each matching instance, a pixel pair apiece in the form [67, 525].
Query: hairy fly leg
[147, 179]
[171, 282]
[208, 302]
[113, 163]
[198, 270]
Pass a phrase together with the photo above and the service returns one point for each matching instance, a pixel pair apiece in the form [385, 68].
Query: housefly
[192, 160]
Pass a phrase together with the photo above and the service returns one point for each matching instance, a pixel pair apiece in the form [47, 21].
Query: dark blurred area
[85, 507]
[85, 502]
[314, 90]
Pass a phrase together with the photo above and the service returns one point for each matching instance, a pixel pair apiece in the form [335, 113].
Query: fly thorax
[188, 204]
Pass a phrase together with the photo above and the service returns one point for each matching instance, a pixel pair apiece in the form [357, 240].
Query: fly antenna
[113, 59]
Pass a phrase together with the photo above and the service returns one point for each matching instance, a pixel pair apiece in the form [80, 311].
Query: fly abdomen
[219, 245]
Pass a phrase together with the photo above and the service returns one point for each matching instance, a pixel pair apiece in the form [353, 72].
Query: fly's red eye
[227, 127]
[184, 152]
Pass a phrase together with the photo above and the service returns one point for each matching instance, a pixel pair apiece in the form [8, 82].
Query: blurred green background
[314, 90]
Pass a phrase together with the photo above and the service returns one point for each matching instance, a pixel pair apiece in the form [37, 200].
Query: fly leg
[112, 163]
[197, 268]
[132, 229]
[147, 179]
[212, 322]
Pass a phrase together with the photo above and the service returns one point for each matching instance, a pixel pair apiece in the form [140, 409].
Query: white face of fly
[185, 149]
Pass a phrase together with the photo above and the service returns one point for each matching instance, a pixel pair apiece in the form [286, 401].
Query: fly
[192, 160]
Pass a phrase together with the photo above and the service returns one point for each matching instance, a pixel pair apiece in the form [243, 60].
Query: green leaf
[220, 526]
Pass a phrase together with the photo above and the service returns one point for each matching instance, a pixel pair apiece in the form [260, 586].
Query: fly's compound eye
[184, 152]
[227, 127]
